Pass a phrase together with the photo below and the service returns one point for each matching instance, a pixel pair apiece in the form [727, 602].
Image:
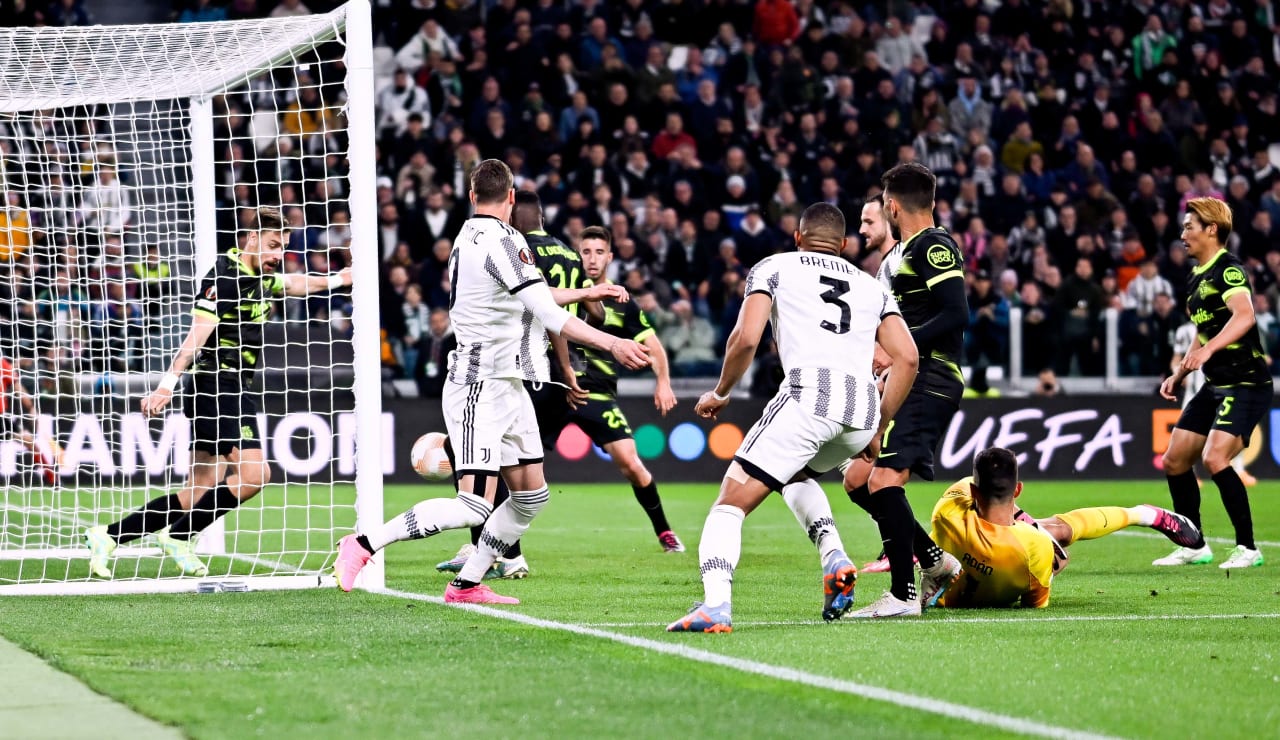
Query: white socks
[718, 553]
[432, 517]
[505, 526]
[1144, 516]
[809, 503]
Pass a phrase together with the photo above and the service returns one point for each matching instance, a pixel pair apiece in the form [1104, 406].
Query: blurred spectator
[204, 11]
[68, 13]
[1148, 349]
[434, 346]
[775, 22]
[1079, 305]
[1047, 384]
[397, 101]
[988, 332]
[969, 111]
[690, 341]
[290, 9]
[106, 206]
[430, 40]
[15, 228]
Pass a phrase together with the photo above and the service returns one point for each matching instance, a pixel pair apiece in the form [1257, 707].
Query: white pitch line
[1216, 540]
[73, 519]
[964, 620]
[780, 673]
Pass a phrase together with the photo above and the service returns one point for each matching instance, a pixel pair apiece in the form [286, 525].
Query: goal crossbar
[104, 64]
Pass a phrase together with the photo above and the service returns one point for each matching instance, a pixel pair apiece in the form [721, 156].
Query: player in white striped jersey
[501, 309]
[827, 317]
[875, 230]
[878, 236]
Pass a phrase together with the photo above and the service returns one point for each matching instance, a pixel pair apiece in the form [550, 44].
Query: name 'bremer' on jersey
[825, 316]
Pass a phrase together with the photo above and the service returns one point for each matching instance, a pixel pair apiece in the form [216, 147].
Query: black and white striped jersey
[889, 265]
[498, 337]
[825, 316]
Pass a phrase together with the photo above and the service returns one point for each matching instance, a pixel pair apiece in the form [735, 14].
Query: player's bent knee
[474, 511]
[1216, 461]
[529, 503]
[253, 477]
[1176, 461]
[634, 470]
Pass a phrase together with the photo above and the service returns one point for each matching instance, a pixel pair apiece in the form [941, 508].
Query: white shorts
[491, 425]
[788, 439]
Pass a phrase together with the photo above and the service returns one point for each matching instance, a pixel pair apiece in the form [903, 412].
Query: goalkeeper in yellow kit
[1008, 558]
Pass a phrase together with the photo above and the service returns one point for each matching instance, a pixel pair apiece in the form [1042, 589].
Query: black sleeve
[637, 327]
[951, 313]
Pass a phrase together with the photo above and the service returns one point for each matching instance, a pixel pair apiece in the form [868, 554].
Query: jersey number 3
[834, 297]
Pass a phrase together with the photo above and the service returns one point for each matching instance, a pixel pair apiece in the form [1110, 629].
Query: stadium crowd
[1067, 137]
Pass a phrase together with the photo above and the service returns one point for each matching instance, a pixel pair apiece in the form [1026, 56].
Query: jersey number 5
[833, 296]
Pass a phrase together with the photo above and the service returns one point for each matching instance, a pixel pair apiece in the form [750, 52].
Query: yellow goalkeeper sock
[1090, 524]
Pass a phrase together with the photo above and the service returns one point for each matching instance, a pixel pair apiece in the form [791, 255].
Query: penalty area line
[779, 673]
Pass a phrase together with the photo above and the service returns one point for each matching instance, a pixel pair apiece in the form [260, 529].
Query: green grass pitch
[1125, 649]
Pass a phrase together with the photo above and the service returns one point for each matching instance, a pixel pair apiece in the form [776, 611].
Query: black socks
[1236, 501]
[922, 545]
[647, 497]
[1185, 492]
[213, 504]
[155, 515]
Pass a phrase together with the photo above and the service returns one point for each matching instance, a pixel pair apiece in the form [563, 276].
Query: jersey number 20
[833, 296]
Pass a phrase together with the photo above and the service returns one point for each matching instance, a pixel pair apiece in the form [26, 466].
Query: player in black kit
[223, 349]
[929, 287]
[1237, 392]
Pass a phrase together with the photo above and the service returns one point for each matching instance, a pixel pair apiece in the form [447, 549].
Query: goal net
[131, 159]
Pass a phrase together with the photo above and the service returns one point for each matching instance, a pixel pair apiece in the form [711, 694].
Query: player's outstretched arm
[537, 298]
[738, 352]
[664, 399]
[202, 325]
[299, 285]
[590, 294]
[896, 340]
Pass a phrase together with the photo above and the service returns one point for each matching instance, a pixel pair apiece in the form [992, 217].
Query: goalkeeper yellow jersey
[1001, 565]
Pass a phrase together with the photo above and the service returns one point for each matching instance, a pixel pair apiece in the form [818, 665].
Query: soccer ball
[428, 458]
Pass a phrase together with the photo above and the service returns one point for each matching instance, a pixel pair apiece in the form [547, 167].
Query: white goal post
[131, 158]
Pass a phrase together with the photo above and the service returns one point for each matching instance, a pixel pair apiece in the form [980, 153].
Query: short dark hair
[995, 472]
[823, 224]
[526, 215]
[268, 218]
[912, 185]
[596, 232]
[491, 180]
[878, 199]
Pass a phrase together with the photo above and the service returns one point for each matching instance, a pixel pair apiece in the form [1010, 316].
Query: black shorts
[1235, 411]
[223, 415]
[602, 420]
[914, 433]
